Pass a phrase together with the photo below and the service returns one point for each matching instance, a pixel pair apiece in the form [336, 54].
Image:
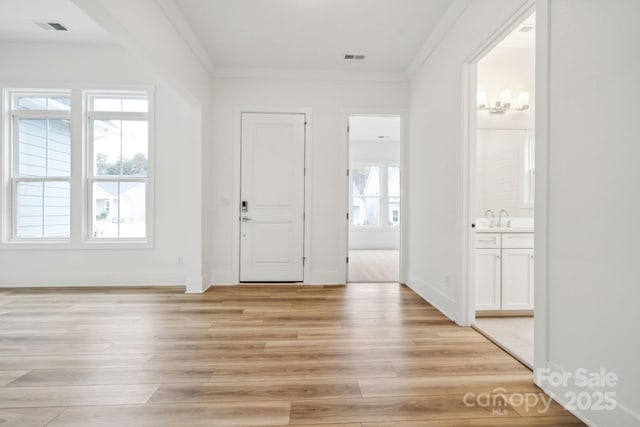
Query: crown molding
[443, 27]
[309, 74]
[184, 30]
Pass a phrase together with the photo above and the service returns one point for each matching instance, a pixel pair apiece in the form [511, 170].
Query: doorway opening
[374, 198]
[502, 193]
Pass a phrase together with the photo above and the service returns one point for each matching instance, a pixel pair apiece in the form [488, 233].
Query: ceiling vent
[525, 28]
[51, 26]
[352, 57]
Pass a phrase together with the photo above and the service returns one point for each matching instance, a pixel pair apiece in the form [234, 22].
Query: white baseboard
[195, 285]
[444, 303]
[73, 279]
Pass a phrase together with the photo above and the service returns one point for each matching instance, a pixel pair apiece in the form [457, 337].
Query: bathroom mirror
[505, 171]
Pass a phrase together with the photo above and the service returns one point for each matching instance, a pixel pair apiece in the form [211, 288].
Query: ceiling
[522, 39]
[313, 34]
[261, 34]
[18, 20]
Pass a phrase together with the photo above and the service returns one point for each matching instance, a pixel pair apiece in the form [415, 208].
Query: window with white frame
[118, 167]
[393, 194]
[375, 195]
[40, 166]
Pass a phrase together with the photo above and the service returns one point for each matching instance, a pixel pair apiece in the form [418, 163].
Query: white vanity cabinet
[488, 278]
[504, 271]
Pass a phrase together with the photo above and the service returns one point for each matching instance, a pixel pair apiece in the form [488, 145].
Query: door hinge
[304, 260]
[347, 260]
[347, 172]
[347, 128]
[347, 216]
[304, 171]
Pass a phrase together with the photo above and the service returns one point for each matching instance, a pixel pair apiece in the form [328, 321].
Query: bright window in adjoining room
[393, 194]
[375, 195]
[40, 166]
[366, 195]
[118, 143]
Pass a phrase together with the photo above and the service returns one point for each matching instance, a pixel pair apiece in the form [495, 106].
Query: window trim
[89, 177]
[13, 116]
[79, 215]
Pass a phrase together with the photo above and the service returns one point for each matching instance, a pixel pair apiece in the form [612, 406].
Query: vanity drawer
[488, 240]
[517, 240]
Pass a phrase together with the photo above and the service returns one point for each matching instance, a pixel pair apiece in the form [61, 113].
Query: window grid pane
[366, 211]
[119, 210]
[44, 103]
[366, 181]
[121, 148]
[44, 148]
[393, 194]
[43, 209]
[119, 104]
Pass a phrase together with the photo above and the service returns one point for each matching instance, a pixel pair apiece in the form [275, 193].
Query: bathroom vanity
[504, 269]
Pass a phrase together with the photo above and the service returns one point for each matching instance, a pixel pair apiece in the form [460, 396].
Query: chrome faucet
[504, 211]
[493, 217]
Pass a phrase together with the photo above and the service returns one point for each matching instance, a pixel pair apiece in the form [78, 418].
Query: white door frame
[404, 182]
[237, 177]
[469, 85]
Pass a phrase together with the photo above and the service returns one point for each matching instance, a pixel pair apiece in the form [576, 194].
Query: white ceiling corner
[447, 21]
[19, 18]
[184, 30]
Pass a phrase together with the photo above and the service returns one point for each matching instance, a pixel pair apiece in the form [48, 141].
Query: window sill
[73, 246]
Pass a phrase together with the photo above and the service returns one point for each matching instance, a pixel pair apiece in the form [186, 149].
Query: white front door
[272, 198]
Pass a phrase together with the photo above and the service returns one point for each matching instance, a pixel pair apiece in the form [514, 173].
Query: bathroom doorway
[501, 261]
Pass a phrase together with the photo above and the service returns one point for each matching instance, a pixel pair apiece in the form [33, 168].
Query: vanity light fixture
[504, 104]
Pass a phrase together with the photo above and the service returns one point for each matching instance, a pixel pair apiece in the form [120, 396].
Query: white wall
[593, 252]
[436, 161]
[590, 240]
[177, 148]
[152, 31]
[329, 101]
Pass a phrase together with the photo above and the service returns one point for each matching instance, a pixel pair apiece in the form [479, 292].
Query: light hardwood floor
[374, 265]
[514, 334]
[357, 355]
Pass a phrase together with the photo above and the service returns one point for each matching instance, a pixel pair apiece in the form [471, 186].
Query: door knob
[245, 219]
